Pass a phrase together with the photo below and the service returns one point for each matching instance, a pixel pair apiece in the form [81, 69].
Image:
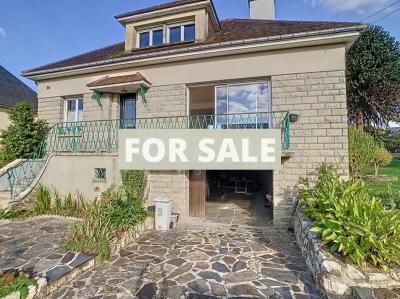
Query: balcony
[102, 135]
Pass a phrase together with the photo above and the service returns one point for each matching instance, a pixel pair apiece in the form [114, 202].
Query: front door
[128, 111]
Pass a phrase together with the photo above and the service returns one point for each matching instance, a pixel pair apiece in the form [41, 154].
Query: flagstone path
[193, 261]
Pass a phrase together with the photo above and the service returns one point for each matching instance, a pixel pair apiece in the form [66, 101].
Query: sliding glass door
[243, 105]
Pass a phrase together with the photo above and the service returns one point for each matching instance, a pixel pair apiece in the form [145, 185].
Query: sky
[37, 32]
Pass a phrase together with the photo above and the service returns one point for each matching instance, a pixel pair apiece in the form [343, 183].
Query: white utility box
[163, 212]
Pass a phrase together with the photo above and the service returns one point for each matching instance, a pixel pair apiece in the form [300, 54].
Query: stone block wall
[334, 276]
[51, 109]
[319, 135]
[173, 184]
[163, 101]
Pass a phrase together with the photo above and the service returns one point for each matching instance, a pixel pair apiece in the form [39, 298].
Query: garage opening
[239, 197]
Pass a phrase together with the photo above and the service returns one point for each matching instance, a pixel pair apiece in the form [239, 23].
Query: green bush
[134, 182]
[361, 151]
[350, 221]
[23, 135]
[12, 284]
[125, 210]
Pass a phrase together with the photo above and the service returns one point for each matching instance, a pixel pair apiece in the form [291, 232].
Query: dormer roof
[166, 9]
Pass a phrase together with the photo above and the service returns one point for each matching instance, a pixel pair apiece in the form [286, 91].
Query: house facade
[179, 64]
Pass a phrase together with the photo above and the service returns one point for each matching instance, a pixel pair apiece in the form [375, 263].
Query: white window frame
[182, 25]
[227, 85]
[150, 31]
[76, 99]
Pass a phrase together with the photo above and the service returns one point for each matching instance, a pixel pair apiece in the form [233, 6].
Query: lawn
[392, 170]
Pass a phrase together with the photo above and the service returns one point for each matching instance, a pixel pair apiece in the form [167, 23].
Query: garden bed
[331, 273]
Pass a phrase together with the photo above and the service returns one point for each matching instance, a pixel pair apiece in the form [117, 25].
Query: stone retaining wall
[333, 276]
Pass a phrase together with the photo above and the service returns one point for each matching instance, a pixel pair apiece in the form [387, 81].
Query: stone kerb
[333, 276]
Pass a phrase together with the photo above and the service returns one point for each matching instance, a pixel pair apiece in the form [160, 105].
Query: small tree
[361, 151]
[23, 135]
[381, 158]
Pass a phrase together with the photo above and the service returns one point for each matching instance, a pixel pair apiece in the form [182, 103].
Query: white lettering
[203, 147]
[130, 149]
[228, 151]
[158, 157]
[266, 149]
[246, 158]
[177, 148]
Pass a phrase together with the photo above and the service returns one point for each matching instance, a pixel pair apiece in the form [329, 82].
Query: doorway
[128, 111]
[239, 197]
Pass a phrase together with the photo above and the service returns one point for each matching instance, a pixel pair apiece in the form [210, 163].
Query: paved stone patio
[193, 261]
[34, 246]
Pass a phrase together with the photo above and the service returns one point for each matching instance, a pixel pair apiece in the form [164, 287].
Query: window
[151, 37]
[99, 174]
[128, 111]
[252, 101]
[181, 32]
[74, 110]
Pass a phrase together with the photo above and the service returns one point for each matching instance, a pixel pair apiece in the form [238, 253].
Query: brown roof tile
[231, 30]
[118, 79]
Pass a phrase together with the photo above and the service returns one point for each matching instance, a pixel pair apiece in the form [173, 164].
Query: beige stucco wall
[75, 173]
[4, 120]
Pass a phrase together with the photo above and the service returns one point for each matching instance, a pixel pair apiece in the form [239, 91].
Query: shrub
[361, 151]
[381, 158]
[10, 284]
[42, 204]
[350, 221]
[93, 234]
[23, 135]
[134, 182]
[389, 197]
[124, 211]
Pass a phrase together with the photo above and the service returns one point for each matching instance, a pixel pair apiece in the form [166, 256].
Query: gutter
[206, 48]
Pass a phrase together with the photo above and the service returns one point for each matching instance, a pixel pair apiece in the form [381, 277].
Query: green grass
[391, 170]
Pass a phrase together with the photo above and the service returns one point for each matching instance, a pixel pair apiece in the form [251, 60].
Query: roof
[13, 90]
[157, 7]
[231, 30]
[138, 77]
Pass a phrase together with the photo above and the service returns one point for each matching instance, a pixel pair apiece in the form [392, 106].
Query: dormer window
[181, 32]
[151, 37]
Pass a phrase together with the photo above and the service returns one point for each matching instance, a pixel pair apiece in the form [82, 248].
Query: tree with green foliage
[23, 135]
[381, 158]
[373, 79]
[362, 148]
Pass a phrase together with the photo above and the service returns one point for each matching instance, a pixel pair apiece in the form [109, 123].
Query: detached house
[180, 66]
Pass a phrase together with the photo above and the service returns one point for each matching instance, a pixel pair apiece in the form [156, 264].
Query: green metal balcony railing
[102, 136]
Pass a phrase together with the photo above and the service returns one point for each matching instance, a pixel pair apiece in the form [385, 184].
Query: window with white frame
[251, 102]
[73, 110]
[151, 37]
[181, 32]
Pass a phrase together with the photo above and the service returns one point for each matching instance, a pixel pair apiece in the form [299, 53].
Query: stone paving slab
[34, 247]
[200, 262]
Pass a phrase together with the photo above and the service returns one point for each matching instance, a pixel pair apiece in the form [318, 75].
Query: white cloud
[347, 5]
[2, 32]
